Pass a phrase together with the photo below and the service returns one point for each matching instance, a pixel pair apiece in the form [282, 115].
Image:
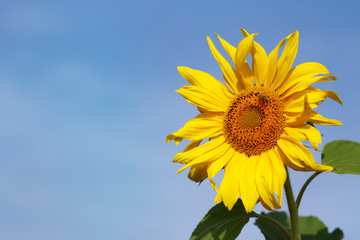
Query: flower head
[254, 122]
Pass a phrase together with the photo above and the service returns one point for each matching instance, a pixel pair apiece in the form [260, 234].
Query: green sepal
[343, 156]
[311, 228]
[221, 224]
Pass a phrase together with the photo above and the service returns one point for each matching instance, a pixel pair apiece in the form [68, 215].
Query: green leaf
[270, 230]
[343, 155]
[221, 224]
[311, 228]
[310, 225]
[323, 234]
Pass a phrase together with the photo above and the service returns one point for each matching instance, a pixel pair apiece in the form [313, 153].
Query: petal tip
[230, 206]
[168, 138]
[244, 32]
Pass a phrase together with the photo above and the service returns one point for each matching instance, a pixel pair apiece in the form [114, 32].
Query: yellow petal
[244, 32]
[219, 164]
[207, 157]
[177, 140]
[295, 103]
[279, 174]
[230, 49]
[319, 119]
[273, 63]
[203, 98]
[266, 179]
[305, 132]
[296, 165]
[226, 68]
[204, 125]
[259, 64]
[242, 51]
[286, 60]
[215, 167]
[188, 156]
[247, 183]
[265, 205]
[198, 172]
[192, 144]
[259, 61]
[300, 118]
[297, 156]
[229, 188]
[213, 184]
[239, 179]
[302, 72]
[205, 80]
[305, 83]
[333, 95]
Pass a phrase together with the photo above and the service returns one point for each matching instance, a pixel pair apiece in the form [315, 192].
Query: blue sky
[87, 99]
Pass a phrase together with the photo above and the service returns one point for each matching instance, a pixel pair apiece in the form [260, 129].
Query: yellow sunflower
[254, 122]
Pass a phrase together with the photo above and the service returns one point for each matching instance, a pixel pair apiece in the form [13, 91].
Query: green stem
[254, 214]
[301, 193]
[294, 218]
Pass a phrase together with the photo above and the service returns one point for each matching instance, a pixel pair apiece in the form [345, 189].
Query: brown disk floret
[254, 121]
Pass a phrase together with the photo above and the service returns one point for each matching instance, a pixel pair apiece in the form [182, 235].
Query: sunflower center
[254, 121]
[250, 117]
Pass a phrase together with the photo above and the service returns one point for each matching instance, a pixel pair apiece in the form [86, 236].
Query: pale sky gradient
[87, 99]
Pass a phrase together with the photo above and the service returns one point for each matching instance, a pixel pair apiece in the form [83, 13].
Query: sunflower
[255, 122]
